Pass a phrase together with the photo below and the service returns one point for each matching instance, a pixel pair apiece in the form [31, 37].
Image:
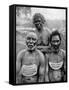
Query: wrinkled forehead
[55, 37]
[31, 35]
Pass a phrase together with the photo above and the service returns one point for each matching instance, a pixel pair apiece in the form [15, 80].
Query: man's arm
[18, 66]
[18, 62]
[64, 58]
[41, 68]
[46, 69]
[46, 35]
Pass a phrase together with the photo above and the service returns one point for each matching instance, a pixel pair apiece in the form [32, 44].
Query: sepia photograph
[41, 45]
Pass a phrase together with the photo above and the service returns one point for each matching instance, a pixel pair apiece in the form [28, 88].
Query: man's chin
[56, 50]
[39, 28]
[30, 46]
[31, 49]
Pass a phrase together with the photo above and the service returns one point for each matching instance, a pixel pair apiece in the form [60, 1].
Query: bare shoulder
[47, 55]
[47, 30]
[63, 52]
[21, 53]
[40, 53]
[41, 56]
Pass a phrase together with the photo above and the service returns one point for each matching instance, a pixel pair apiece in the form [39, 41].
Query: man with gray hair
[30, 64]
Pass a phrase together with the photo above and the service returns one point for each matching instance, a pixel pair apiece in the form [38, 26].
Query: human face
[55, 42]
[38, 24]
[31, 42]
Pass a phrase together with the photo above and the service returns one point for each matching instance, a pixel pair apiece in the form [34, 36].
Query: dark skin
[57, 56]
[39, 25]
[43, 35]
[31, 58]
[40, 62]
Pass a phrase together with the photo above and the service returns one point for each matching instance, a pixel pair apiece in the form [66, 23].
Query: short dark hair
[36, 16]
[54, 33]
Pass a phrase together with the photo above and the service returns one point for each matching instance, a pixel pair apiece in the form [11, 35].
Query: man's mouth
[30, 46]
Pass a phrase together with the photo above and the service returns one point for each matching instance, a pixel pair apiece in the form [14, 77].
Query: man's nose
[39, 24]
[56, 43]
[31, 40]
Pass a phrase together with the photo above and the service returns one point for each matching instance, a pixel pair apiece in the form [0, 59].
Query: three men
[56, 60]
[30, 64]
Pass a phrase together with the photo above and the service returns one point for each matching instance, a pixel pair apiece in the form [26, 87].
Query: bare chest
[55, 58]
[30, 58]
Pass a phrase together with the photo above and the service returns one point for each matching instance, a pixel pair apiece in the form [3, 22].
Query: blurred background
[55, 18]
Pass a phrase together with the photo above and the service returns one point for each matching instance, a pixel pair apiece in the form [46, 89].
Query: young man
[56, 60]
[42, 33]
[30, 64]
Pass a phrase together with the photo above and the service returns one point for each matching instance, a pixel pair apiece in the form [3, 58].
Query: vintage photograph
[40, 45]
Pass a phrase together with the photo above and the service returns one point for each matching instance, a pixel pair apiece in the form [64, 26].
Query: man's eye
[33, 39]
[38, 22]
[55, 41]
[28, 38]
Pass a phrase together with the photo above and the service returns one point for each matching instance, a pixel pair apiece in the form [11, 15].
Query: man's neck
[40, 30]
[55, 51]
[31, 51]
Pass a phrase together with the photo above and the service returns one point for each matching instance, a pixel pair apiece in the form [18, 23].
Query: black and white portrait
[40, 45]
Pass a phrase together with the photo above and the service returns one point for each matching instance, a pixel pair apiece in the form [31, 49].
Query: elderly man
[30, 64]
